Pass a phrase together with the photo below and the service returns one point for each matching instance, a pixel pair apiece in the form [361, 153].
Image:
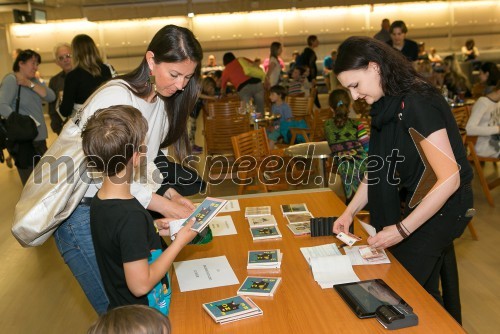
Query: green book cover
[229, 307]
[265, 232]
[263, 256]
[260, 286]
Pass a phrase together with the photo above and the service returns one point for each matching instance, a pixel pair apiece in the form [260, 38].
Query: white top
[483, 122]
[274, 76]
[157, 130]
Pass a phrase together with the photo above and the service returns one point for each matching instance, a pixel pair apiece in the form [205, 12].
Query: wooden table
[299, 304]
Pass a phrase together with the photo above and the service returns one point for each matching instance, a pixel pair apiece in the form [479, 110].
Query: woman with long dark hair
[416, 155]
[274, 68]
[89, 72]
[164, 87]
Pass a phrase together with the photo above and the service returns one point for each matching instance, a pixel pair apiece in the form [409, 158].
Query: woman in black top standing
[415, 150]
[88, 73]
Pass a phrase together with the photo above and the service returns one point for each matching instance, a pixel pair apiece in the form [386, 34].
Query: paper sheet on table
[318, 251]
[368, 228]
[357, 259]
[331, 270]
[222, 225]
[231, 206]
[204, 273]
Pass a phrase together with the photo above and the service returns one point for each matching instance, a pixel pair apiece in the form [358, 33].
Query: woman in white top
[274, 69]
[484, 122]
[164, 87]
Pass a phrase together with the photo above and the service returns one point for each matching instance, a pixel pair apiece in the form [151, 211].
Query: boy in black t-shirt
[126, 241]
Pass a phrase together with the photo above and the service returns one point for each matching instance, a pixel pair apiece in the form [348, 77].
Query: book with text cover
[253, 211]
[295, 218]
[294, 208]
[259, 286]
[207, 210]
[232, 309]
[300, 228]
[262, 221]
[264, 259]
[270, 232]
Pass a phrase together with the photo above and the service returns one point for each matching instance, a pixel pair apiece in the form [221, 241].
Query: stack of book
[298, 218]
[262, 221]
[263, 233]
[264, 259]
[259, 286]
[255, 211]
[232, 309]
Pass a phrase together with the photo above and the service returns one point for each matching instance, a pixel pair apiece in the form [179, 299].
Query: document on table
[222, 225]
[231, 205]
[368, 228]
[319, 251]
[331, 270]
[204, 273]
[356, 258]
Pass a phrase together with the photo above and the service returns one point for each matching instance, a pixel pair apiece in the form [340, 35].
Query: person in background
[384, 35]
[133, 265]
[247, 87]
[89, 72]
[328, 63]
[296, 83]
[31, 93]
[455, 81]
[273, 73]
[62, 56]
[422, 52]
[211, 66]
[306, 84]
[279, 107]
[348, 141]
[484, 122]
[434, 57]
[208, 87]
[411, 121]
[399, 42]
[469, 50]
[164, 87]
[131, 319]
[489, 76]
[291, 66]
[308, 58]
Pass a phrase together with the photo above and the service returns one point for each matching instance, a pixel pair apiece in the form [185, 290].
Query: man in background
[399, 41]
[384, 35]
[62, 55]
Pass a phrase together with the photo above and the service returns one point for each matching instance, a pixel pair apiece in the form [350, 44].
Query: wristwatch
[32, 84]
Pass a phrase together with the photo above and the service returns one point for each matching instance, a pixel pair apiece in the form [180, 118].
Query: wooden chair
[316, 130]
[218, 146]
[477, 160]
[254, 162]
[223, 109]
[361, 108]
[301, 106]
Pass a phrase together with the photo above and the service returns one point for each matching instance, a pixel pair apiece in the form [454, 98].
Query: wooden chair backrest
[361, 108]
[222, 109]
[252, 143]
[301, 106]
[218, 133]
[461, 115]
[319, 117]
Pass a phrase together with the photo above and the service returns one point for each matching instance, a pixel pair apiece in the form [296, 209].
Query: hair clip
[340, 103]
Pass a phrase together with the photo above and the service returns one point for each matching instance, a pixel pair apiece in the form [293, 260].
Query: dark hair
[275, 46]
[280, 90]
[469, 44]
[171, 44]
[86, 55]
[131, 319]
[398, 24]
[300, 68]
[493, 72]
[24, 56]
[227, 58]
[311, 39]
[397, 74]
[207, 82]
[217, 74]
[339, 100]
[111, 136]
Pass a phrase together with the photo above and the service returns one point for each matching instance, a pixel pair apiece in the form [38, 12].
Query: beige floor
[39, 295]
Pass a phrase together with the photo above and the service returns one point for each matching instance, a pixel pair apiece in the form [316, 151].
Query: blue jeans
[74, 241]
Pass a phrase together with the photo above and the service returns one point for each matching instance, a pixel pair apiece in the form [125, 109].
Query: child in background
[128, 249]
[208, 87]
[306, 84]
[131, 319]
[348, 141]
[296, 84]
[277, 96]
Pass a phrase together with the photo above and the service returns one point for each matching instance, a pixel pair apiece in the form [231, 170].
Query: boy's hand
[163, 226]
[185, 234]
